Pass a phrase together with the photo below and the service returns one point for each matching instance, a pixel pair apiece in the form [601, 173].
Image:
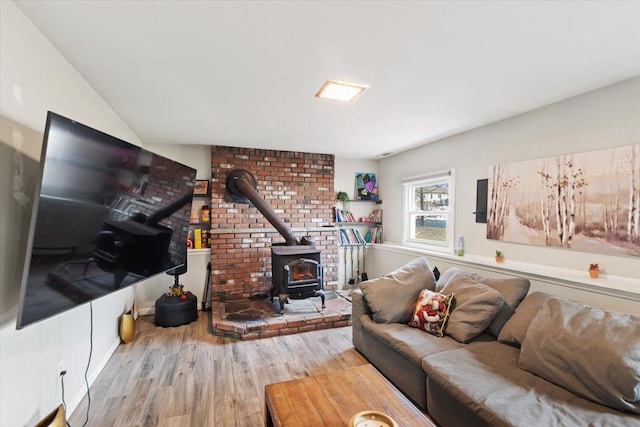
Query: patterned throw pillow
[431, 312]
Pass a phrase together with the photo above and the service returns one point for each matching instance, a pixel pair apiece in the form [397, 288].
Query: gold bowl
[372, 419]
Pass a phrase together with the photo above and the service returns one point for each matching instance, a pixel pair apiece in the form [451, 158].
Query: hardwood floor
[185, 376]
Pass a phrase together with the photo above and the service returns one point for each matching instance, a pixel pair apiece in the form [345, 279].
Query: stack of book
[201, 238]
[344, 216]
[351, 236]
[374, 235]
[376, 216]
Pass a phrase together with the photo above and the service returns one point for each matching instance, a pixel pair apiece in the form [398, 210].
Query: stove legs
[321, 293]
[284, 298]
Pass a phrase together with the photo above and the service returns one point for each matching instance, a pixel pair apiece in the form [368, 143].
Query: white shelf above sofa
[605, 284]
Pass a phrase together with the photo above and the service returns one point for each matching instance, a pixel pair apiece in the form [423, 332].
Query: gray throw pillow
[515, 329]
[474, 308]
[513, 290]
[592, 352]
[392, 298]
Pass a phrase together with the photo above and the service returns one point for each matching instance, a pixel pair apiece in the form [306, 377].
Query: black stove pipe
[240, 180]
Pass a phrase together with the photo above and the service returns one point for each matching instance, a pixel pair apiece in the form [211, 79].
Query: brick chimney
[298, 186]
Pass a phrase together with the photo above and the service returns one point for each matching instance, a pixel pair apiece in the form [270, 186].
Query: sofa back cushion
[474, 307]
[592, 352]
[514, 330]
[513, 290]
[392, 297]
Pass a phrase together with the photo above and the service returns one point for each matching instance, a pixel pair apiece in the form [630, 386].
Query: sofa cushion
[417, 272]
[513, 332]
[393, 297]
[431, 312]
[410, 342]
[513, 290]
[474, 308]
[593, 352]
[486, 380]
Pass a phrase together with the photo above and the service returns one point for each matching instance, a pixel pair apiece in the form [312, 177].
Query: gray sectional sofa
[507, 357]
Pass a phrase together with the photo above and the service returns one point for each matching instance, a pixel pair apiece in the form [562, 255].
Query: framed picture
[581, 201]
[201, 187]
[366, 186]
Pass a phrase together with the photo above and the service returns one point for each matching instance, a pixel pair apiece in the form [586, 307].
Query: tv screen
[106, 215]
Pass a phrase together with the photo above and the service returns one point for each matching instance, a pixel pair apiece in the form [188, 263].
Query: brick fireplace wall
[298, 186]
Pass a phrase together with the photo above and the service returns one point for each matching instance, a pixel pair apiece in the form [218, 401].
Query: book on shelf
[206, 239]
[197, 238]
[376, 216]
[351, 236]
[344, 215]
[201, 238]
[374, 235]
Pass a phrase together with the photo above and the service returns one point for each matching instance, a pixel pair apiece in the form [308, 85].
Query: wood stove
[296, 270]
[296, 273]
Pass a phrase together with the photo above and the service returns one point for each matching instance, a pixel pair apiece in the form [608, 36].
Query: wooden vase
[127, 328]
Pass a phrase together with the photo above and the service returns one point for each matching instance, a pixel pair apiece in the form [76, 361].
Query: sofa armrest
[359, 304]
[359, 309]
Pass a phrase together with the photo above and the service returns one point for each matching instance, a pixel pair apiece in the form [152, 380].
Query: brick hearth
[298, 316]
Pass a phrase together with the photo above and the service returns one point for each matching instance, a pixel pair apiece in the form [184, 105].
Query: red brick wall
[298, 186]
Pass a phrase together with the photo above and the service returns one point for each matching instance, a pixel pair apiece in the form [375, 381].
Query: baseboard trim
[80, 394]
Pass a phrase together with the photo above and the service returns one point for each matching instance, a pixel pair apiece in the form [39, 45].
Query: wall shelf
[622, 287]
[377, 202]
[200, 228]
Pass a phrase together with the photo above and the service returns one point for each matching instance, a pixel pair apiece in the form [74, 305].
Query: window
[429, 210]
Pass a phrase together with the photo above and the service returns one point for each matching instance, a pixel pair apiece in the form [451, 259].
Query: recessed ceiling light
[340, 91]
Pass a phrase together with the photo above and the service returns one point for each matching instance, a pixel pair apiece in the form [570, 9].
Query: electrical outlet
[61, 366]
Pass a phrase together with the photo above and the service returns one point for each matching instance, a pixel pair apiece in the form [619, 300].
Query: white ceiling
[245, 73]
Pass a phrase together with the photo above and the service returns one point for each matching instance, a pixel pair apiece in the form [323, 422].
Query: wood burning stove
[296, 269]
[296, 273]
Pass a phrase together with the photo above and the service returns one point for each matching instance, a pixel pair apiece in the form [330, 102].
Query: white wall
[34, 78]
[603, 118]
[345, 180]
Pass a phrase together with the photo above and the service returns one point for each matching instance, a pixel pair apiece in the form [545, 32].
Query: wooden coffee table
[332, 399]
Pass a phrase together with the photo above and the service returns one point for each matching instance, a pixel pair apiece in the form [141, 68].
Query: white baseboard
[80, 394]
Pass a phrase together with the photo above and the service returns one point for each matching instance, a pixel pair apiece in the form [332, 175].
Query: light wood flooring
[185, 376]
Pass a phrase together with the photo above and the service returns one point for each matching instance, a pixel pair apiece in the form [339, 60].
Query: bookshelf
[358, 231]
[200, 223]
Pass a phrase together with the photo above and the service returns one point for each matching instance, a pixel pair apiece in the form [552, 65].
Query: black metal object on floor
[206, 295]
[176, 310]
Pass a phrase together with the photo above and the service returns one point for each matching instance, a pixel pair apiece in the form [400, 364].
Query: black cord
[64, 404]
[86, 371]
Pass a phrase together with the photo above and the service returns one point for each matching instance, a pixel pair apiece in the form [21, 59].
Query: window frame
[409, 215]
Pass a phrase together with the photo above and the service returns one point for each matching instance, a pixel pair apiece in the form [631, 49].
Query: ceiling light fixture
[340, 91]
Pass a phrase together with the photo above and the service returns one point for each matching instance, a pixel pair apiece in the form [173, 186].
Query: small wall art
[366, 186]
[583, 201]
[201, 187]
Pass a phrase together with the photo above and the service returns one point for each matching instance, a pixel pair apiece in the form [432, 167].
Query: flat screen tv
[106, 214]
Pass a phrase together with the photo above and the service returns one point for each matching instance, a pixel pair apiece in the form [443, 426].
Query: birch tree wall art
[585, 201]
